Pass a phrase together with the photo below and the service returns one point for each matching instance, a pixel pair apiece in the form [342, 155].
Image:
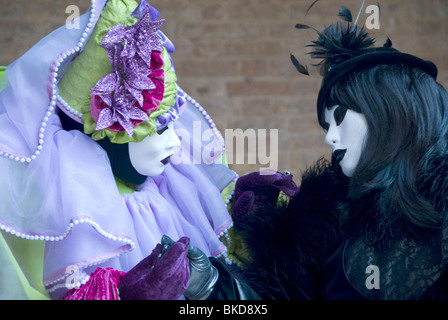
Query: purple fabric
[172, 113]
[58, 186]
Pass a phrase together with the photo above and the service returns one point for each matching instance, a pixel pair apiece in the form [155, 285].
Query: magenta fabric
[102, 285]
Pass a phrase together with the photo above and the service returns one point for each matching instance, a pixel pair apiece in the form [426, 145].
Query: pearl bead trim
[76, 221]
[73, 113]
[212, 125]
[52, 84]
[66, 54]
[206, 116]
[224, 254]
[54, 284]
[56, 100]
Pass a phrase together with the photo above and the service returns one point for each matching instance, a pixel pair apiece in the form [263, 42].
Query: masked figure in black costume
[370, 224]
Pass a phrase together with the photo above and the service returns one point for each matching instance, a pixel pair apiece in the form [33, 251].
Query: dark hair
[407, 117]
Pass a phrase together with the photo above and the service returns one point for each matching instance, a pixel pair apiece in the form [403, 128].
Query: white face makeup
[150, 156]
[346, 132]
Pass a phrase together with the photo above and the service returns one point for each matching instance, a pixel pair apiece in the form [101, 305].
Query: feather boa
[288, 242]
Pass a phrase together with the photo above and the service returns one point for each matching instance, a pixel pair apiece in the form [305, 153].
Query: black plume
[388, 43]
[300, 67]
[340, 42]
[309, 8]
[337, 43]
[345, 14]
[302, 26]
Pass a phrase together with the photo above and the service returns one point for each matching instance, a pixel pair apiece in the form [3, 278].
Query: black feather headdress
[343, 47]
[338, 43]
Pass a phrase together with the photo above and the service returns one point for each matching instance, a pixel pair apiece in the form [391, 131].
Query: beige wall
[232, 56]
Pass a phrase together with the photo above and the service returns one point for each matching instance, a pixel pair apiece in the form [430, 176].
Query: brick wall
[232, 56]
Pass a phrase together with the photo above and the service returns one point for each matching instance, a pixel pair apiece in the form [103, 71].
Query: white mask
[150, 156]
[347, 131]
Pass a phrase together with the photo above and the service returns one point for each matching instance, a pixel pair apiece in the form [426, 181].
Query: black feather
[287, 242]
[302, 26]
[300, 68]
[345, 14]
[340, 42]
[309, 8]
[388, 43]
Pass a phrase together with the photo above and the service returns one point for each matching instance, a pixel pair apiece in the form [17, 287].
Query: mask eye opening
[339, 114]
[160, 131]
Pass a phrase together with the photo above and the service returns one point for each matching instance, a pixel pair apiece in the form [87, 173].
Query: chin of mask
[150, 156]
[346, 132]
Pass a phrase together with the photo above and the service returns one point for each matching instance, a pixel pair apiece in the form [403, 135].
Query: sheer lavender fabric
[67, 195]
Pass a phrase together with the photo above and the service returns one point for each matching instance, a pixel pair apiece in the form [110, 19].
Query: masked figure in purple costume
[372, 223]
[90, 118]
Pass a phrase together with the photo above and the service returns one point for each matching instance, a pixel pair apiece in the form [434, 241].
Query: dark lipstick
[339, 154]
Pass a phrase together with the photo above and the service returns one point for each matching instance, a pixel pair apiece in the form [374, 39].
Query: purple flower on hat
[127, 72]
[124, 111]
[142, 38]
[129, 50]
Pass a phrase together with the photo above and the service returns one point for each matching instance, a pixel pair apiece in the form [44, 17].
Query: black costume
[382, 233]
[300, 253]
